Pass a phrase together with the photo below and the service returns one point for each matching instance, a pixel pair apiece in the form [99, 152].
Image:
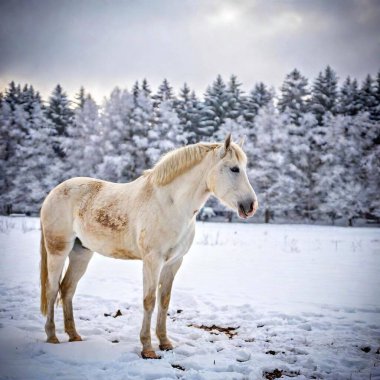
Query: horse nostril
[251, 207]
[241, 207]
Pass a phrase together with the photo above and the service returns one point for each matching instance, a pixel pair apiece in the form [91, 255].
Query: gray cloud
[100, 43]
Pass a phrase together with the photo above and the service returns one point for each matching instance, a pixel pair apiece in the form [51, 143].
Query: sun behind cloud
[225, 15]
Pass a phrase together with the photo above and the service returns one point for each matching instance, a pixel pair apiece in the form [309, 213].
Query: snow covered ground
[301, 301]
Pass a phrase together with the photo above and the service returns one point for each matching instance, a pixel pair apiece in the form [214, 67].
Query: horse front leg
[164, 291]
[151, 270]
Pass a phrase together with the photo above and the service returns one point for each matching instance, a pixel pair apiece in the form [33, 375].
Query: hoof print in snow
[249, 340]
[277, 373]
[117, 314]
[366, 349]
[114, 341]
[260, 325]
[216, 330]
[179, 311]
[177, 366]
[378, 351]
[271, 352]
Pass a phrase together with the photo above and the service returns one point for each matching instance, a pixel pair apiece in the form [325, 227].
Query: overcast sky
[104, 43]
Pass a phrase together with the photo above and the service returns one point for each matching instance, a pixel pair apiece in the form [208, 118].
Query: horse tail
[43, 273]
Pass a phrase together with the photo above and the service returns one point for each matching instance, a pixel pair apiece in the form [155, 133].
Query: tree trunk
[267, 216]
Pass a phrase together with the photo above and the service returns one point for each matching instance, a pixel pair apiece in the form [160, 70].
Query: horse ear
[226, 146]
[227, 142]
[242, 141]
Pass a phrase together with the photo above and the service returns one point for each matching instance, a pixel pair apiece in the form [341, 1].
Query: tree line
[313, 148]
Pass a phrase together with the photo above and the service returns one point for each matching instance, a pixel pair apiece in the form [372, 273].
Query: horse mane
[176, 162]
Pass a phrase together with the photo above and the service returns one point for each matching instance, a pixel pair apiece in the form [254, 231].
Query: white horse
[150, 219]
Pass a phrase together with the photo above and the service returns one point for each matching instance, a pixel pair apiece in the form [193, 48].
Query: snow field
[301, 301]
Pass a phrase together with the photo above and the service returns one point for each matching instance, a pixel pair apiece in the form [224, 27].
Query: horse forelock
[178, 161]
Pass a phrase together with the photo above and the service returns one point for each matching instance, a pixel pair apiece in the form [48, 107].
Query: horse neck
[189, 191]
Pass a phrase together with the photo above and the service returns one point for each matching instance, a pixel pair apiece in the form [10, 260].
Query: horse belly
[118, 245]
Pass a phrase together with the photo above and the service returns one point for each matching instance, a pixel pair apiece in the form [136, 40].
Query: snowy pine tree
[14, 130]
[376, 112]
[325, 94]
[82, 145]
[368, 97]
[116, 143]
[294, 95]
[215, 109]
[187, 108]
[61, 115]
[28, 161]
[268, 158]
[59, 111]
[259, 97]
[165, 93]
[41, 170]
[141, 123]
[235, 100]
[348, 101]
[298, 174]
[136, 91]
[80, 97]
[146, 88]
[167, 132]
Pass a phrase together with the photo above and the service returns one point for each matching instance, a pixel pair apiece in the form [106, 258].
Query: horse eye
[235, 169]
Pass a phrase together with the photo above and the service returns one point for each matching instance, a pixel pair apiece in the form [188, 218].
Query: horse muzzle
[247, 208]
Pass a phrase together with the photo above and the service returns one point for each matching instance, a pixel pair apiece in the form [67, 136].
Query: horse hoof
[53, 340]
[166, 347]
[149, 355]
[76, 338]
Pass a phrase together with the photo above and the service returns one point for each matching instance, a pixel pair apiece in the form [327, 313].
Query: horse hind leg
[79, 258]
[57, 251]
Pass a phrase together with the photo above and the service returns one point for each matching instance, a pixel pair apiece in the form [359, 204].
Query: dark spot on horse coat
[56, 244]
[122, 253]
[93, 189]
[149, 301]
[65, 190]
[165, 299]
[108, 219]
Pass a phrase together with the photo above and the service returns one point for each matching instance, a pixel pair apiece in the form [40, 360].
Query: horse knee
[165, 299]
[149, 302]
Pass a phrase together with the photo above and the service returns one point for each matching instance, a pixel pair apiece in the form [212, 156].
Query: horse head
[228, 179]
